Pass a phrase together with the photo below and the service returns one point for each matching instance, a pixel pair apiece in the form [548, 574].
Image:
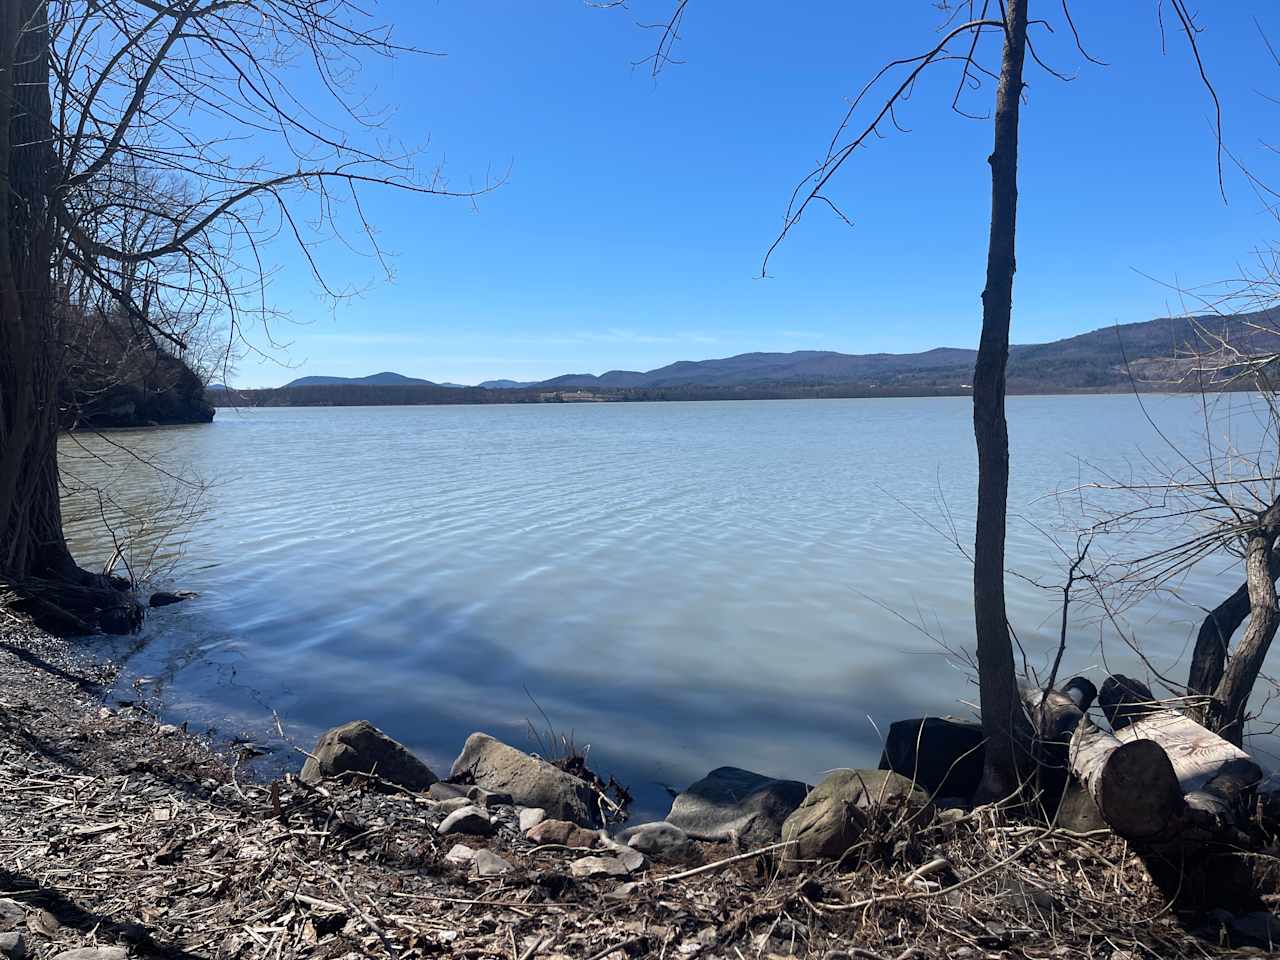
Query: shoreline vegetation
[126, 836]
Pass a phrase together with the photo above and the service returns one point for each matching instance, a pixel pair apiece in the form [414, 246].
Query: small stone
[489, 798]
[489, 864]
[44, 923]
[469, 820]
[442, 791]
[13, 945]
[530, 817]
[12, 913]
[167, 730]
[455, 803]
[622, 891]
[633, 860]
[662, 841]
[93, 953]
[564, 833]
[460, 854]
[598, 867]
[105, 713]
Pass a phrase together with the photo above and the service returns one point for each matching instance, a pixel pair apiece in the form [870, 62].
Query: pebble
[13, 945]
[167, 730]
[460, 854]
[530, 817]
[93, 953]
[12, 914]
[469, 820]
[598, 867]
[489, 864]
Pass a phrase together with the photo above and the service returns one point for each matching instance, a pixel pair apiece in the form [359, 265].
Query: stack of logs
[1190, 803]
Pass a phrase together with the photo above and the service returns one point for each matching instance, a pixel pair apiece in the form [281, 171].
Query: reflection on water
[680, 585]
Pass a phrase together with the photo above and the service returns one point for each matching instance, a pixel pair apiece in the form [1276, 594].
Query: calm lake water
[679, 585]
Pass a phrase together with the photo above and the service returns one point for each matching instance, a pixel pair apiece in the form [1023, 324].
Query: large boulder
[834, 815]
[943, 757]
[731, 803]
[360, 747]
[529, 781]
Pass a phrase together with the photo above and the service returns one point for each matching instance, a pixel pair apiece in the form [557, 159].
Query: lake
[677, 585]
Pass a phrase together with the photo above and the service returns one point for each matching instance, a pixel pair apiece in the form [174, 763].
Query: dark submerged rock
[360, 747]
[943, 757]
[164, 598]
[730, 802]
[527, 781]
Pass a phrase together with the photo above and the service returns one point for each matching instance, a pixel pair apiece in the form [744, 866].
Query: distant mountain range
[1099, 360]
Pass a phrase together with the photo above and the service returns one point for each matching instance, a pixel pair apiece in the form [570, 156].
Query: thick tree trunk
[35, 563]
[1209, 659]
[1226, 712]
[1001, 714]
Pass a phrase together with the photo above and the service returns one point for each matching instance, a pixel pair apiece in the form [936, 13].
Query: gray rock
[470, 820]
[93, 953]
[489, 798]
[529, 781]
[489, 864]
[598, 867]
[834, 814]
[12, 914]
[942, 756]
[360, 747]
[442, 791]
[530, 817]
[563, 832]
[457, 803]
[13, 945]
[460, 854]
[730, 802]
[661, 841]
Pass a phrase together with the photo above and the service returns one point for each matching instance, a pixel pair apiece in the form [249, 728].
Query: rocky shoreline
[125, 837]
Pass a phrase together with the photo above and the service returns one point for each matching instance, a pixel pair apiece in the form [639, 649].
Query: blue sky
[630, 229]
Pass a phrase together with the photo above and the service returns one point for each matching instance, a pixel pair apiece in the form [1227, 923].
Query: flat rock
[489, 864]
[489, 798]
[93, 953]
[12, 914]
[731, 802]
[460, 854]
[563, 832]
[442, 790]
[834, 814]
[943, 757]
[13, 945]
[1078, 810]
[456, 803]
[529, 781]
[598, 867]
[530, 817]
[471, 820]
[360, 747]
[660, 841]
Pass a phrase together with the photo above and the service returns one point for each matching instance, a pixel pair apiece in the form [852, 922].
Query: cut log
[1133, 784]
[1198, 755]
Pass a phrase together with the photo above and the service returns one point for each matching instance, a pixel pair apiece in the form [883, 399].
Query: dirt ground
[118, 831]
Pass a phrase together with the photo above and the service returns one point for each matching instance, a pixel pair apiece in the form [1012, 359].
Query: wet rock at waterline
[661, 841]
[528, 781]
[942, 756]
[732, 803]
[360, 747]
[836, 812]
[164, 598]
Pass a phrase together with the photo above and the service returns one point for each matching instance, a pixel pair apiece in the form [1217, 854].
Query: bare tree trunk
[1231, 699]
[34, 559]
[1209, 659]
[998, 687]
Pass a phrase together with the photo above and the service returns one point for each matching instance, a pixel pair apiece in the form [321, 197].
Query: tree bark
[1226, 712]
[1209, 659]
[35, 562]
[1001, 715]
